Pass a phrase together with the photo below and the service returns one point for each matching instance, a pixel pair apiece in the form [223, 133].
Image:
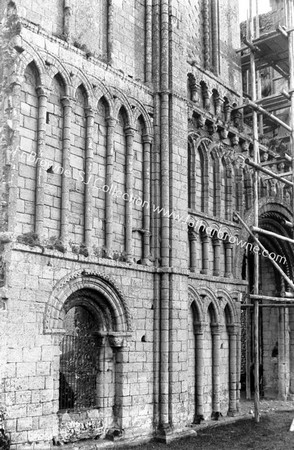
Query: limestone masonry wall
[120, 148]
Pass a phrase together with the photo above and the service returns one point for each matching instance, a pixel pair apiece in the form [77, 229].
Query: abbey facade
[122, 165]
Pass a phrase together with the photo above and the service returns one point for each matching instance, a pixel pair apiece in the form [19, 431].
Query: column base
[198, 419]
[232, 413]
[167, 435]
[216, 415]
[114, 434]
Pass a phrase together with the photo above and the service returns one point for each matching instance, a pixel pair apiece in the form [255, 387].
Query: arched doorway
[94, 323]
[276, 331]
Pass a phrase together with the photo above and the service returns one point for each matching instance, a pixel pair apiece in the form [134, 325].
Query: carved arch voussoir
[87, 279]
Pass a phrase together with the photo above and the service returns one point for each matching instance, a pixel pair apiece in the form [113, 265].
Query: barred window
[78, 361]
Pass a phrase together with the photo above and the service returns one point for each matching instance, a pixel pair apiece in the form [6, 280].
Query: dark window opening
[78, 361]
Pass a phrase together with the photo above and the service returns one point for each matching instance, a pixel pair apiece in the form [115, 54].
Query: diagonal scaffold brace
[257, 241]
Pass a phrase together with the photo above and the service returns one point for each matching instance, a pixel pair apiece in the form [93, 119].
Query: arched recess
[198, 173]
[98, 283]
[121, 101]
[98, 176]
[276, 325]
[94, 321]
[215, 186]
[77, 162]
[195, 357]
[228, 185]
[120, 181]
[28, 134]
[54, 156]
[27, 55]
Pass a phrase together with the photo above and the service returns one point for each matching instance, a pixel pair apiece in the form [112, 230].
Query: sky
[263, 6]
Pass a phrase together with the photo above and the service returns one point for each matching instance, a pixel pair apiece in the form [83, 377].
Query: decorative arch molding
[195, 303]
[94, 281]
[139, 110]
[210, 299]
[266, 205]
[28, 56]
[78, 79]
[228, 301]
[120, 101]
[100, 91]
[56, 67]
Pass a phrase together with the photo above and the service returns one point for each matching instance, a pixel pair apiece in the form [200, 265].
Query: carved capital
[193, 236]
[66, 101]
[198, 328]
[215, 329]
[232, 330]
[116, 341]
[129, 131]
[42, 91]
[147, 139]
[89, 111]
[111, 121]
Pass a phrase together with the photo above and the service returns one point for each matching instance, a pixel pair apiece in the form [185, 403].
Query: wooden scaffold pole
[255, 214]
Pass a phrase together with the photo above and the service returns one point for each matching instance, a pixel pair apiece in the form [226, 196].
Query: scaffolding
[275, 50]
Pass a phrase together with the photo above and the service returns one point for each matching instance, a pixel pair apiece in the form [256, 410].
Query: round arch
[97, 283]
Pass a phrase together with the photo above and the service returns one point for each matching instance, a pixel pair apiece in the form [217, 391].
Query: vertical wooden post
[248, 333]
[255, 213]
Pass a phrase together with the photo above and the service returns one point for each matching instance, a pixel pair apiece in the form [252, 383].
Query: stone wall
[90, 121]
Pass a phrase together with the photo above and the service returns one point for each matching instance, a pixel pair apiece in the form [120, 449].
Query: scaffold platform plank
[272, 50]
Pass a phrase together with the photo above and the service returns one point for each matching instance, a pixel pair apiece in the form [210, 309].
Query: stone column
[199, 337]
[129, 132]
[218, 103]
[215, 331]
[100, 392]
[148, 43]
[205, 254]
[89, 184]
[41, 146]
[66, 175]
[67, 21]
[232, 331]
[227, 111]
[110, 16]
[195, 89]
[109, 182]
[147, 140]
[120, 350]
[12, 158]
[228, 259]
[216, 256]
[192, 236]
